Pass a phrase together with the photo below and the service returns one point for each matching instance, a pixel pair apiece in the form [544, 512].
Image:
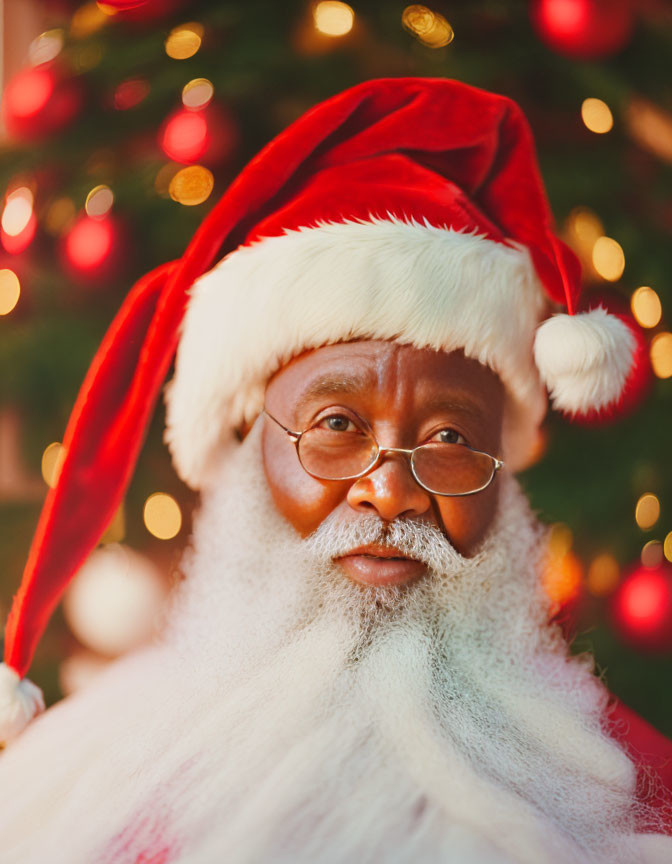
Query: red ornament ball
[583, 29]
[93, 249]
[641, 608]
[39, 101]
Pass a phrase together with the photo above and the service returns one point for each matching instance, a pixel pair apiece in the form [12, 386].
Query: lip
[378, 565]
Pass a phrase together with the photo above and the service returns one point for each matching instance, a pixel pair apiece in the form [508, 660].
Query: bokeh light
[10, 291]
[184, 41]
[652, 554]
[333, 18]
[651, 127]
[647, 511]
[185, 137]
[52, 460]
[45, 47]
[608, 258]
[99, 201]
[191, 185]
[660, 354]
[646, 306]
[197, 93]
[116, 530]
[87, 20]
[164, 177]
[603, 575]
[667, 546]
[89, 244]
[113, 602]
[27, 94]
[60, 215]
[162, 516]
[130, 93]
[563, 571]
[596, 115]
[642, 608]
[430, 28]
[18, 211]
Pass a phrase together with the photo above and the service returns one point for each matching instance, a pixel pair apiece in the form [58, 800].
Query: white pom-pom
[584, 359]
[20, 701]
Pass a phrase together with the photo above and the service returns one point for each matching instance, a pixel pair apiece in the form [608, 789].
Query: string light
[162, 516]
[667, 547]
[652, 554]
[45, 47]
[603, 575]
[99, 202]
[660, 354]
[333, 18]
[191, 185]
[597, 116]
[647, 511]
[10, 291]
[184, 41]
[646, 306]
[430, 28]
[608, 258]
[52, 460]
[197, 93]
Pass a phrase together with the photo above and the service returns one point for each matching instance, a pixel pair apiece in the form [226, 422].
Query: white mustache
[416, 539]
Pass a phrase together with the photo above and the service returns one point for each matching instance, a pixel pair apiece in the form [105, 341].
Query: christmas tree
[126, 124]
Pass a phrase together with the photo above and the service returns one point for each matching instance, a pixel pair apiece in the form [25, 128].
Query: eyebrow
[334, 383]
[458, 403]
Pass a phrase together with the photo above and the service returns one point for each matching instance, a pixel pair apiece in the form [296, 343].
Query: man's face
[407, 396]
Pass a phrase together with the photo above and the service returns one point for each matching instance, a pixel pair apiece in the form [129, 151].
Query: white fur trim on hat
[20, 701]
[584, 359]
[380, 279]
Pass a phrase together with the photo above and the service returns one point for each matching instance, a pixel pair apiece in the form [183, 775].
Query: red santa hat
[408, 209]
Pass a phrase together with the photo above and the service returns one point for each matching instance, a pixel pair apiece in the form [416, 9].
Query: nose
[390, 490]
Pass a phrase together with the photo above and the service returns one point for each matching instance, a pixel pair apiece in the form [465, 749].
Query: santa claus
[359, 664]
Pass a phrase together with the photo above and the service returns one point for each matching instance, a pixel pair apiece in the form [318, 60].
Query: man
[358, 664]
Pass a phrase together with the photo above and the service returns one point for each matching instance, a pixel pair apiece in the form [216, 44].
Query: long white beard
[289, 715]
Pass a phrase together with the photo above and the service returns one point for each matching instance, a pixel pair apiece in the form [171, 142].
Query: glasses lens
[452, 469]
[332, 455]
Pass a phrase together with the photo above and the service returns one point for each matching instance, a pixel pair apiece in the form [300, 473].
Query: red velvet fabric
[417, 147]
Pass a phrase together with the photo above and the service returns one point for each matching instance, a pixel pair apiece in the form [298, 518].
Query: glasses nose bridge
[383, 451]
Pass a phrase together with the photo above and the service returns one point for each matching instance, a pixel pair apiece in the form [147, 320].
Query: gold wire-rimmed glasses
[441, 468]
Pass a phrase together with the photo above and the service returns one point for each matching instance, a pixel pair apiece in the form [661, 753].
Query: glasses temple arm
[293, 435]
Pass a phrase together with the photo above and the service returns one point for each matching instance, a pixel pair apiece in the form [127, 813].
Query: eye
[337, 423]
[448, 436]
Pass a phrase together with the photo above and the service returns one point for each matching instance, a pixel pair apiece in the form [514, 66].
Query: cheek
[466, 520]
[304, 501]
